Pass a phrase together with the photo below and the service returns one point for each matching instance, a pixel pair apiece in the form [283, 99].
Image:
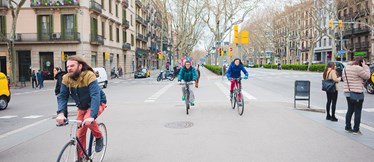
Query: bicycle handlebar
[189, 83]
[67, 121]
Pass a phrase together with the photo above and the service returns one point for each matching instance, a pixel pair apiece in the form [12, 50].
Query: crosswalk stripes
[364, 109]
[25, 117]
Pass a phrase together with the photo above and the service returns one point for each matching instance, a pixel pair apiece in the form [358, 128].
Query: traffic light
[236, 34]
[63, 57]
[230, 51]
[160, 57]
[221, 52]
[330, 23]
[340, 23]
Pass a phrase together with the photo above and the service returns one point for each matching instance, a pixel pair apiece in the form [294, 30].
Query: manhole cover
[179, 124]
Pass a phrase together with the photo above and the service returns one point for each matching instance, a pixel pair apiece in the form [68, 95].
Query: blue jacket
[234, 71]
[187, 74]
[39, 75]
[85, 91]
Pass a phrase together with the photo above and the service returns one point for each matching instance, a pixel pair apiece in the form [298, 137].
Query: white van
[101, 76]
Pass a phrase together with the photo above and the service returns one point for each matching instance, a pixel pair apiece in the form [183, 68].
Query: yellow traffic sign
[244, 37]
[236, 31]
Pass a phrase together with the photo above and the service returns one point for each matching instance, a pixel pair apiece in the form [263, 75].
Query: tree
[14, 10]
[220, 16]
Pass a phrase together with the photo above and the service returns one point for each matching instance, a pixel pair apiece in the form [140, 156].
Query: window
[329, 41]
[3, 25]
[320, 43]
[103, 29]
[324, 42]
[132, 39]
[102, 4]
[131, 20]
[94, 26]
[110, 32]
[124, 37]
[116, 10]
[45, 26]
[117, 34]
[68, 26]
[110, 6]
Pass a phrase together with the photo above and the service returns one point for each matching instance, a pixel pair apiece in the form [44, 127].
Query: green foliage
[214, 68]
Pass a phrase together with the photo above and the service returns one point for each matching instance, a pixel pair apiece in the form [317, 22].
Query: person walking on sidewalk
[330, 73]
[33, 79]
[354, 76]
[39, 76]
[198, 76]
[58, 76]
[234, 71]
[81, 84]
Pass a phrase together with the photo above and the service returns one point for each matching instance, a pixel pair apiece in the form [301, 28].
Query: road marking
[369, 110]
[223, 89]
[23, 128]
[246, 94]
[341, 111]
[32, 116]
[7, 117]
[155, 96]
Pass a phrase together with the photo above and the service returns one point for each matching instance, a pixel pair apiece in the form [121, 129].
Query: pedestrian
[58, 73]
[354, 75]
[80, 83]
[33, 79]
[330, 73]
[198, 76]
[39, 76]
[120, 73]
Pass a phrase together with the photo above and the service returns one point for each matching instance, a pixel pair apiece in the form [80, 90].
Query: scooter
[167, 76]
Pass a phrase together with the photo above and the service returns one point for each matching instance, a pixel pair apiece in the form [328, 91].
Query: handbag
[354, 96]
[328, 85]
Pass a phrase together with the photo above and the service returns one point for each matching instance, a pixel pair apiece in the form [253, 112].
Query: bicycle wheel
[233, 101]
[187, 99]
[240, 104]
[68, 152]
[99, 156]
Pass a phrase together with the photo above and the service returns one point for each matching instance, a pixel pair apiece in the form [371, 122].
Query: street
[147, 121]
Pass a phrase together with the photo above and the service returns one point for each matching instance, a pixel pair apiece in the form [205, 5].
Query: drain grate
[179, 125]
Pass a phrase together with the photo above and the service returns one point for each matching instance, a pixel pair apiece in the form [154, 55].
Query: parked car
[4, 91]
[250, 65]
[142, 73]
[101, 76]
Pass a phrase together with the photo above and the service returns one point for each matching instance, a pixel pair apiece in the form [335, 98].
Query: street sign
[218, 43]
[342, 52]
[244, 37]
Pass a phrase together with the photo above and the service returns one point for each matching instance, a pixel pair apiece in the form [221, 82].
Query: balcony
[126, 46]
[139, 19]
[138, 3]
[125, 3]
[3, 5]
[96, 39]
[95, 7]
[357, 45]
[141, 37]
[361, 30]
[53, 4]
[46, 38]
[125, 24]
[364, 44]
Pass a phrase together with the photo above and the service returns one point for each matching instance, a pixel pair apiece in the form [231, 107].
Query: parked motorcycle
[165, 76]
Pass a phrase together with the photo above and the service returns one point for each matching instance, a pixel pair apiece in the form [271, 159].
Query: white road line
[7, 117]
[155, 96]
[341, 111]
[223, 89]
[23, 128]
[32, 116]
[246, 94]
[369, 109]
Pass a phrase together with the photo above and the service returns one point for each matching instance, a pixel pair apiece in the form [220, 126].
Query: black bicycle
[69, 152]
[237, 100]
[187, 94]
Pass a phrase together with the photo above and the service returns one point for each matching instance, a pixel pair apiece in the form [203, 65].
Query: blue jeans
[356, 108]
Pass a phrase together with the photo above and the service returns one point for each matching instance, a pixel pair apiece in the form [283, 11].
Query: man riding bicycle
[188, 74]
[80, 83]
[234, 70]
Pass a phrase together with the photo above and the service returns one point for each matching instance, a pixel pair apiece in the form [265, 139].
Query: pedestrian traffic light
[330, 23]
[221, 52]
[340, 23]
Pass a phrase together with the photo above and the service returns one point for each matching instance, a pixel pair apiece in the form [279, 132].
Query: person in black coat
[58, 76]
[33, 79]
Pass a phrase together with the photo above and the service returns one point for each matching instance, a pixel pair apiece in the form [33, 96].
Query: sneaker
[99, 144]
[349, 130]
[357, 132]
[334, 119]
[192, 103]
[183, 98]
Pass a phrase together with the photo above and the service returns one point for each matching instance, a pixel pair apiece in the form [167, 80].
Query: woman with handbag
[354, 75]
[332, 96]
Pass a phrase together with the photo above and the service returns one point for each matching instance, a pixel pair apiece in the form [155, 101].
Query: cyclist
[188, 74]
[234, 71]
[80, 83]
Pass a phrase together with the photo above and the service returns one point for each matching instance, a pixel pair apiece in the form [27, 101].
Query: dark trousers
[353, 107]
[34, 82]
[331, 99]
[41, 85]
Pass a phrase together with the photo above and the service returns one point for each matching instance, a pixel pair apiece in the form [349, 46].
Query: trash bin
[302, 91]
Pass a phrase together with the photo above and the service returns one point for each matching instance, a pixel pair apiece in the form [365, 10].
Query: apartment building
[357, 36]
[103, 32]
